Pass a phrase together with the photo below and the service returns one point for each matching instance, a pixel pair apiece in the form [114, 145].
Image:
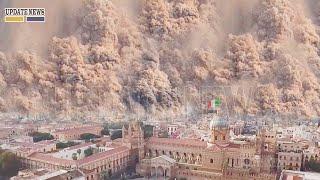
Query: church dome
[218, 122]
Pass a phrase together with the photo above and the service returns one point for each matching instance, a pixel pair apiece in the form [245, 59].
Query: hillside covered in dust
[164, 56]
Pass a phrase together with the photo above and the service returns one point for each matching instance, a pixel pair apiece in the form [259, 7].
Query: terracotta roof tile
[181, 142]
[78, 130]
[102, 155]
[50, 159]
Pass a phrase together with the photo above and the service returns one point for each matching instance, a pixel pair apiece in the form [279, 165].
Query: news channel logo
[24, 15]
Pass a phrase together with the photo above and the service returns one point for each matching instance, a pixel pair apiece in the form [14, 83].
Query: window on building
[224, 137]
[211, 160]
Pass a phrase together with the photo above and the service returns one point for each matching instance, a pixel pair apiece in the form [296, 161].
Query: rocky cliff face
[172, 56]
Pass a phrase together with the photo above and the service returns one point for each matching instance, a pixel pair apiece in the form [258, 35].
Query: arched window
[224, 137]
[215, 137]
[211, 160]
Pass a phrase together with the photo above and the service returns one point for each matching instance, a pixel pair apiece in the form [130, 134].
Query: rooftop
[179, 142]
[50, 159]
[102, 155]
[299, 175]
[82, 129]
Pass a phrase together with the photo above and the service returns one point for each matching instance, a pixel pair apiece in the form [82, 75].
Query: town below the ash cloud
[160, 89]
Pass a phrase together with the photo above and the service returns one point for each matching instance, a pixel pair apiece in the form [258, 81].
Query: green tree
[105, 131]
[312, 165]
[88, 152]
[116, 134]
[61, 145]
[39, 136]
[88, 136]
[74, 156]
[163, 134]
[105, 175]
[79, 151]
[9, 164]
[147, 130]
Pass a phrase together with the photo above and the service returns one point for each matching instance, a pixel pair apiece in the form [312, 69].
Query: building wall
[75, 133]
[289, 160]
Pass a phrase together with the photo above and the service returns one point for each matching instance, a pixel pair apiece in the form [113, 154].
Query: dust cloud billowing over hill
[163, 56]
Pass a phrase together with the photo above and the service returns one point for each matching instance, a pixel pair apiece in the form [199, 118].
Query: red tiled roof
[102, 155]
[219, 147]
[50, 159]
[46, 142]
[232, 145]
[179, 142]
[78, 129]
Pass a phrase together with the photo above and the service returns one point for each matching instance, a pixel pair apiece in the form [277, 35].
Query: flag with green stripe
[215, 103]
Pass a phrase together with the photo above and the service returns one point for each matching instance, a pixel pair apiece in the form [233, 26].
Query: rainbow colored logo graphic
[20, 15]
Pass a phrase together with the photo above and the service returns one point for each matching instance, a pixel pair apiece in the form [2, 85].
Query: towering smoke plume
[158, 56]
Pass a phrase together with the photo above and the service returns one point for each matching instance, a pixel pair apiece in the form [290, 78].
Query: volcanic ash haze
[163, 56]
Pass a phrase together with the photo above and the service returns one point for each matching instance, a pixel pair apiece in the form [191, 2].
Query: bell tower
[133, 137]
[219, 129]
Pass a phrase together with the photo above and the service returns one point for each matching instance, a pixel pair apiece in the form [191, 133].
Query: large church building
[220, 158]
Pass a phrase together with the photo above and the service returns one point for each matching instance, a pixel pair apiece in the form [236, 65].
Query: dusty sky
[157, 56]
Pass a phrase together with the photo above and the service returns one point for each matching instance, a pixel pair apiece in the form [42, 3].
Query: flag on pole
[215, 103]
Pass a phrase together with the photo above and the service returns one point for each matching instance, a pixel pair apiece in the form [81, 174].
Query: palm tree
[79, 152]
[74, 156]
[105, 175]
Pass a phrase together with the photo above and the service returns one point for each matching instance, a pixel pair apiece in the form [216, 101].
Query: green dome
[218, 122]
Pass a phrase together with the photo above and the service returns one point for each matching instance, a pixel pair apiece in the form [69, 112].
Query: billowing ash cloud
[163, 56]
